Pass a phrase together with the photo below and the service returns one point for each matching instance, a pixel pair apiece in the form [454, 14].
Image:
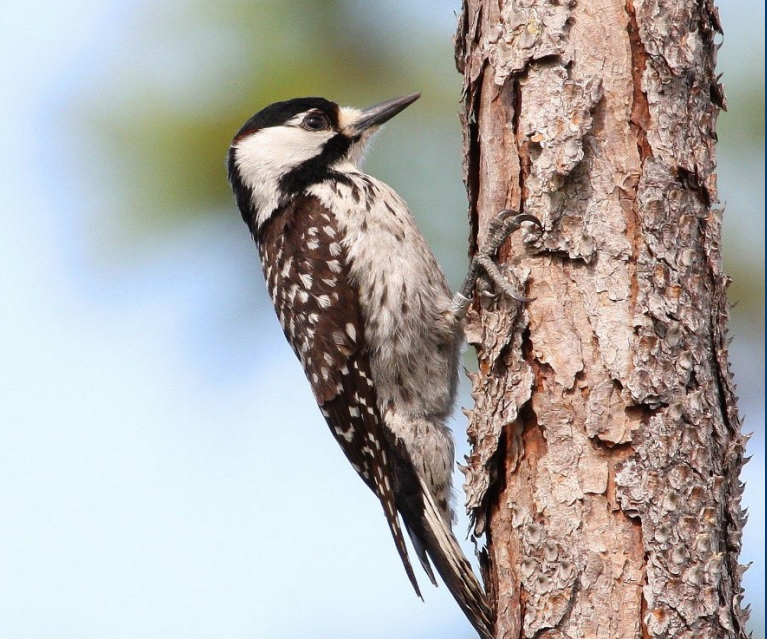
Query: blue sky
[146, 427]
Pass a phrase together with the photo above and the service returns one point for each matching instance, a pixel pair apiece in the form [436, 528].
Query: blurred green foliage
[191, 73]
[198, 71]
[741, 142]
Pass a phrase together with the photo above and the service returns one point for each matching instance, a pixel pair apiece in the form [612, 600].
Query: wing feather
[305, 266]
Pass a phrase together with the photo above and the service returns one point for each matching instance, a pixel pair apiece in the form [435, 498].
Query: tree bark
[606, 444]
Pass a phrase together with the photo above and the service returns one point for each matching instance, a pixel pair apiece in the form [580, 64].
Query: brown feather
[307, 275]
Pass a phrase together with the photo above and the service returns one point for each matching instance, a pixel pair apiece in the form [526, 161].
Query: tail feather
[390, 509]
[433, 541]
[455, 570]
[420, 552]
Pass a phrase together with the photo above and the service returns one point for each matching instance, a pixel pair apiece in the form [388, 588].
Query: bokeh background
[164, 471]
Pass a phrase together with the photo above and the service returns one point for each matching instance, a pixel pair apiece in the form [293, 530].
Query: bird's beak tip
[377, 114]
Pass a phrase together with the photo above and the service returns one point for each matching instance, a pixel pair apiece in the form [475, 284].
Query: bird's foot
[484, 270]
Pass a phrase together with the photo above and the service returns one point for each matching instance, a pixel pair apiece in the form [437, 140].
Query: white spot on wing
[348, 435]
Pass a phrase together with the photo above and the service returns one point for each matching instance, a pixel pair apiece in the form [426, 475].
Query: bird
[368, 312]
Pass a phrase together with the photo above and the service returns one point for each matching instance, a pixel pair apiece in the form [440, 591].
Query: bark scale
[606, 444]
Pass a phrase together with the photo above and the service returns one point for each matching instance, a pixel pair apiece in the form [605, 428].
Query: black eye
[315, 122]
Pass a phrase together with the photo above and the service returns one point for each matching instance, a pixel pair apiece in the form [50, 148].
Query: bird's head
[288, 146]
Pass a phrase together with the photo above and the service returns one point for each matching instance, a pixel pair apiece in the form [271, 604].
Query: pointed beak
[380, 113]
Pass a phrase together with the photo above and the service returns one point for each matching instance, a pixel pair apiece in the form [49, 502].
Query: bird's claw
[527, 217]
[484, 267]
[504, 224]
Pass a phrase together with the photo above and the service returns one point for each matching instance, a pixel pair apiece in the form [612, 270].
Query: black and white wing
[307, 276]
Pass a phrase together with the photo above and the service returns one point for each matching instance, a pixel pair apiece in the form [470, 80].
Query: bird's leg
[504, 224]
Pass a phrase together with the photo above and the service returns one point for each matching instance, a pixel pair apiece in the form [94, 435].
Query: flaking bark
[606, 444]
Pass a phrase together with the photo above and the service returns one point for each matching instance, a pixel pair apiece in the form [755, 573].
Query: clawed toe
[525, 217]
[503, 225]
[522, 298]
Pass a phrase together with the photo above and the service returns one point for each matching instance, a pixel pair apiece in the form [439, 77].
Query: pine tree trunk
[606, 438]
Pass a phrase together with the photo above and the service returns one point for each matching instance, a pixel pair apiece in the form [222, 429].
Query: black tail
[399, 541]
[441, 546]
[433, 540]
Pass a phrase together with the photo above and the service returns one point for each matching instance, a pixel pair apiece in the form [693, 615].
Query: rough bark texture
[606, 438]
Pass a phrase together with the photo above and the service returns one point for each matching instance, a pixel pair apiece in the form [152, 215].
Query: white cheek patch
[276, 150]
[264, 157]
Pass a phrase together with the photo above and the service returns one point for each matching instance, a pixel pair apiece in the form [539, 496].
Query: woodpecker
[368, 312]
